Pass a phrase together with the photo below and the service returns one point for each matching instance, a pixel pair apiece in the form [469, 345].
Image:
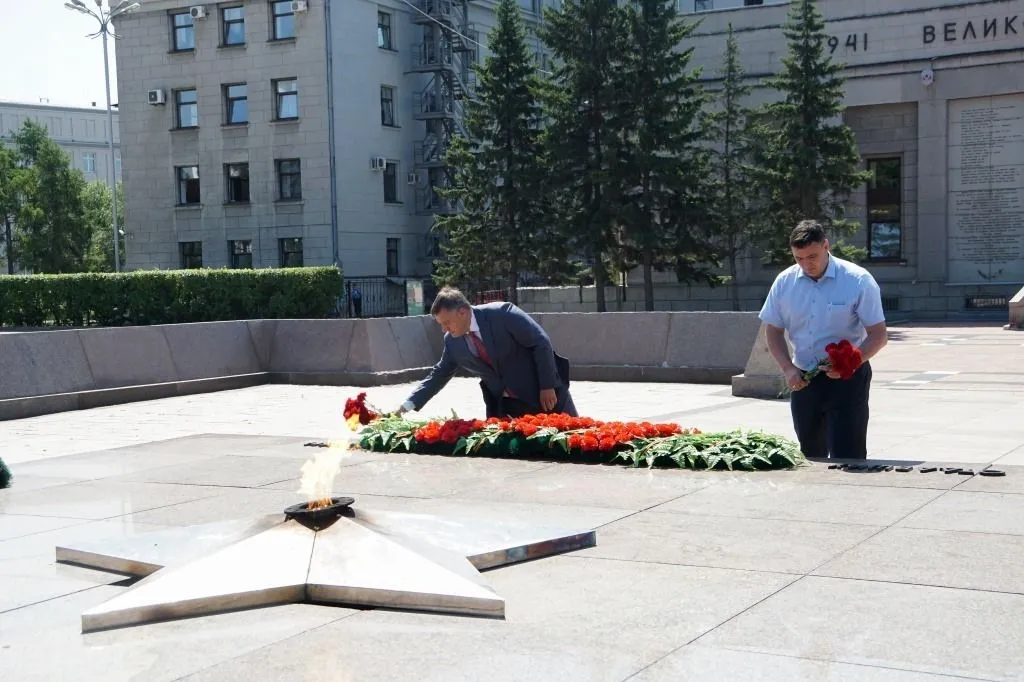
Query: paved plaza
[813, 574]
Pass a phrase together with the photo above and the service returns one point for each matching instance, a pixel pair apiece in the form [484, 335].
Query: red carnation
[844, 358]
[358, 406]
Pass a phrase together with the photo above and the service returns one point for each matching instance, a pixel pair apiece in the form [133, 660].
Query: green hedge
[168, 296]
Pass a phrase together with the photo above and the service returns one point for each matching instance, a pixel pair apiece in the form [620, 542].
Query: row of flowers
[581, 433]
[561, 436]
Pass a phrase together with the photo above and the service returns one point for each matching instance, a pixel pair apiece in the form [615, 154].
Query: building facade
[79, 131]
[935, 96]
[227, 112]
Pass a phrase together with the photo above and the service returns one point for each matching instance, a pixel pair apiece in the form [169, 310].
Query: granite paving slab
[976, 561]
[935, 630]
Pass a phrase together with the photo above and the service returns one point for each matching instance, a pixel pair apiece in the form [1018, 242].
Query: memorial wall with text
[985, 211]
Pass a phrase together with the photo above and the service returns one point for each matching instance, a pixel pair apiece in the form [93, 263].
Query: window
[186, 104]
[391, 183]
[236, 104]
[184, 32]
[188, 185]
[392, 256]
[289, 252]
[232, 21]
[191, 255]
[236, 181]
[384, 31]
[884, 208]
[387, 105]
[289, 179]
[286, 95]
[240, 251]
[283, 20]
[703, 5]
[752, 3]
[117, 166]
[89, 162]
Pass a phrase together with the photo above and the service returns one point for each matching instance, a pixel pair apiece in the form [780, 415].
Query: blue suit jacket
[524, 361]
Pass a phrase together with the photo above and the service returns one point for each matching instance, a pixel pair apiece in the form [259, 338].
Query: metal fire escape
[444, 57]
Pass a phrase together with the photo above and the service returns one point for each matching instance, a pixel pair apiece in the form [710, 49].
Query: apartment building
[227, 112]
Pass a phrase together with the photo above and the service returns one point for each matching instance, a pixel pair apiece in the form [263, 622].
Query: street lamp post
[104, 18]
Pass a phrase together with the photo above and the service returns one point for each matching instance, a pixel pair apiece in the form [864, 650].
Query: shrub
[168, 296]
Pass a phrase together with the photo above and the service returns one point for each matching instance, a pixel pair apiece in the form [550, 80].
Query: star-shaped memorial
[369, 558]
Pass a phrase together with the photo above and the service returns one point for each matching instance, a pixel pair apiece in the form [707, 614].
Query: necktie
[480, 349]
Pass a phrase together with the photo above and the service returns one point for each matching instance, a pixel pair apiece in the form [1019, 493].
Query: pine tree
[581, 101]
[657, 158]
[499, 175]
[807, 162]
[733, 199]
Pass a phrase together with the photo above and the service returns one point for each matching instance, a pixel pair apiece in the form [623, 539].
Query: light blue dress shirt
[844, 301]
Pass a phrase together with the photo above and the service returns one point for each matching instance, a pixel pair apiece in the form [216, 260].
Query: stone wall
[59, 370]
[1017, 311]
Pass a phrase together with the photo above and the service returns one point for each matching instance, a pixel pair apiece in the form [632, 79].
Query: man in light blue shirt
[821, 300]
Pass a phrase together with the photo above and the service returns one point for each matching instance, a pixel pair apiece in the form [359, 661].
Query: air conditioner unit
[197, 12]
[157, 97]
[378, 163]
[299, 5]
[413, 178]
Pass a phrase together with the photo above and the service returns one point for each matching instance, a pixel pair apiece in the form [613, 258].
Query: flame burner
[320, 518]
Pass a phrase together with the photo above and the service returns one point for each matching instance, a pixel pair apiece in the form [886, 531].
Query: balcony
[445, 11]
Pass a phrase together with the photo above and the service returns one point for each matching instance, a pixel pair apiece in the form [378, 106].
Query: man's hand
[795, 378]
[832, 374]
[548, 399]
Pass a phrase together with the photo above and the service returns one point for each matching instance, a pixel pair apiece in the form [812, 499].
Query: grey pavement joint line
[901, 582]
[49, 599]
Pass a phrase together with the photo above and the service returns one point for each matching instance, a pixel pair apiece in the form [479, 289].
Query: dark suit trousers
[513, 407]
[830, 416]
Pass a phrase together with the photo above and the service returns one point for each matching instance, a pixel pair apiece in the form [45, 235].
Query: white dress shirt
[839, 305]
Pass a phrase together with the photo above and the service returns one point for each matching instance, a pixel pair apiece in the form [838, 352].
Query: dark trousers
[505, 406]
[830, 416]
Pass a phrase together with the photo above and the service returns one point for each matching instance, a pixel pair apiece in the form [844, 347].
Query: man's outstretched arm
[440, 375]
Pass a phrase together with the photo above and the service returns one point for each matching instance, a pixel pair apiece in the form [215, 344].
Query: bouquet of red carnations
[357, 407]
[843, 358]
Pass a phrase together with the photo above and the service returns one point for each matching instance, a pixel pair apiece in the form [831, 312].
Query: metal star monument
[361, 558]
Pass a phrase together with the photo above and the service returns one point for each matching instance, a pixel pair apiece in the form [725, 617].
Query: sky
[44, 54]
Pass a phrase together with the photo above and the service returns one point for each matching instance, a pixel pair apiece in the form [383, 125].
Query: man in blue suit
[519, 371]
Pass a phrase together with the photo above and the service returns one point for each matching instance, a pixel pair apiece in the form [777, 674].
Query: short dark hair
[807, 232]
[449, 298]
